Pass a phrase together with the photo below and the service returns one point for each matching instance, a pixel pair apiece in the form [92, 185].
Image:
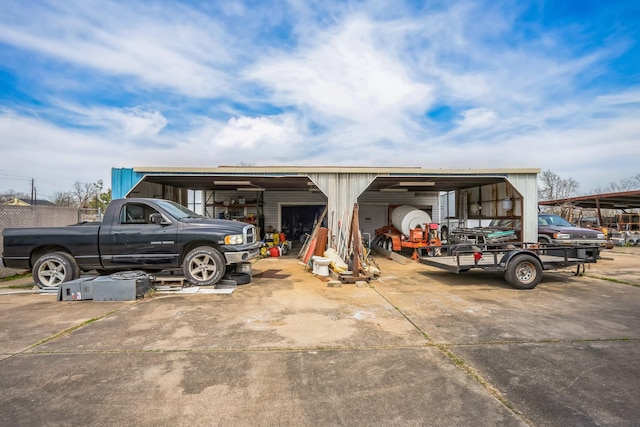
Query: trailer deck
[463, 263]
[522, 263]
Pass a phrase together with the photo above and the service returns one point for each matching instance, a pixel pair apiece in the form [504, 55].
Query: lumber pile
[350, 259]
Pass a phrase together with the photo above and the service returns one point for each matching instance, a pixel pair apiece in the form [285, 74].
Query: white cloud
[254, 132]
[136, 123]
[54, 156]
[344, 73]
[631, 96]
[181, 50]
[477, 117]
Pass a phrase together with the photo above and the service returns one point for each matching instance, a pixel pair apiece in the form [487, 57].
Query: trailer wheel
[204, 266]
[388, 244]
[523, 272]
[55, 268]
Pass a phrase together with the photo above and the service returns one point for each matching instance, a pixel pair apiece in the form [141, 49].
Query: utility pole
[33, 191]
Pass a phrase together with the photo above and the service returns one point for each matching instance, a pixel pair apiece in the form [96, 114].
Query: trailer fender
[507, 257]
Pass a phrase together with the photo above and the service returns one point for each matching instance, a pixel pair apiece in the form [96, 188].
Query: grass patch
[609, 279]
[26, 286]
[14, 277]
[151, 293]
[71, 329]
[465, 367]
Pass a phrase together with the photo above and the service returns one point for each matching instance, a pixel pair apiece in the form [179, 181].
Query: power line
[26, 178]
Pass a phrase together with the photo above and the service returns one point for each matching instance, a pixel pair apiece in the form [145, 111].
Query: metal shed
[478, 193]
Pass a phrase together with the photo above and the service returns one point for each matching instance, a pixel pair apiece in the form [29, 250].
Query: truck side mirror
[155, 218]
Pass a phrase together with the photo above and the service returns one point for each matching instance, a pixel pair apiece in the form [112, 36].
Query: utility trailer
[521, 263]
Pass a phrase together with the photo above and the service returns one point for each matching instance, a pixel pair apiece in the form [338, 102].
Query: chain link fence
[40, 216]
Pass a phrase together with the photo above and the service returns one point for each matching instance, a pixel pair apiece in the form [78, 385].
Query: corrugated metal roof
[619, 200]
[296, 178]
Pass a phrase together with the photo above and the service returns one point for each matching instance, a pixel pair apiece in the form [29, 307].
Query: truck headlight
[600, 236]
[561, 236]
[233, 239]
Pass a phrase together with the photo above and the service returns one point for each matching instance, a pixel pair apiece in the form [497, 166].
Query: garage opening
[298, 220]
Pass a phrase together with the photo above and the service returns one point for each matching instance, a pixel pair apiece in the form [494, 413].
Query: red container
[274, 251]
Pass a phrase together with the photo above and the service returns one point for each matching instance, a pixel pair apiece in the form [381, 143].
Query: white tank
[406, 218]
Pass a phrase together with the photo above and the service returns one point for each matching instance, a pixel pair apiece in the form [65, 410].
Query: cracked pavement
[417, 347]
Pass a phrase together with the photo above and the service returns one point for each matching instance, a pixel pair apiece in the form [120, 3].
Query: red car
[553, 229]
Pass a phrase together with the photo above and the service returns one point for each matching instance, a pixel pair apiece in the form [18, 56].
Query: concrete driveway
[417, 347]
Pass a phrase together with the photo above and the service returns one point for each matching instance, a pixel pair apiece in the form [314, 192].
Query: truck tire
[523, 272]
[239, 278]
[55, 268]
[204, 266]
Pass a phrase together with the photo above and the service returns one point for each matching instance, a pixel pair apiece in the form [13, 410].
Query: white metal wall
[527, 186]
[274, 200]
[342, 190]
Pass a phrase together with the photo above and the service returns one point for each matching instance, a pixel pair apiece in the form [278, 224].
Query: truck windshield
[177, 210]
[554, 220]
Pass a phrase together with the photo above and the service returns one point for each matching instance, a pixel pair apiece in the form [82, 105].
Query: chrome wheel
[54, 269]
[203, 266]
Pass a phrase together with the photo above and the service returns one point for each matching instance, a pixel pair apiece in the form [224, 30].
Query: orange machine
[421, 237]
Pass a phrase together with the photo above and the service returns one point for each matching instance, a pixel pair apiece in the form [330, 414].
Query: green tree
[91, 195]
[102, 200]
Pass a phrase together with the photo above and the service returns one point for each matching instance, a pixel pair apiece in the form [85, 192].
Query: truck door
[134, 241]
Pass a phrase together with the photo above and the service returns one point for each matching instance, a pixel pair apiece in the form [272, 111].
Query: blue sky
[90, 85]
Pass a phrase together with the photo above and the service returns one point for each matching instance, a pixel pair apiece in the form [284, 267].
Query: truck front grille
[250, 234]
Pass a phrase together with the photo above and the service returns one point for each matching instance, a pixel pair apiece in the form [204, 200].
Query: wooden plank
[310, 244]
[354, 233]
[392, 255]
[321, 241]
[348, 278]
[309, 252]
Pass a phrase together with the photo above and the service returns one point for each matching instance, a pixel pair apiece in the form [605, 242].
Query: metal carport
[342, 186]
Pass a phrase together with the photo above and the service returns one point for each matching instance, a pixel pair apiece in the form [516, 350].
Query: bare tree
[553, 187]
[627, 184]
[64, 198]
[11, 194]
[86, 192]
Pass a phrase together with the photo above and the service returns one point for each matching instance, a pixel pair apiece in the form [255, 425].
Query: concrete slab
[621, 264]
[563, 384]
[395, 387]
[26, 319]
[299, 311]
[478, 306]
[417, 347]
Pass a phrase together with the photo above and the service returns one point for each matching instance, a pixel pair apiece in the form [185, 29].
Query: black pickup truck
[135, 234]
